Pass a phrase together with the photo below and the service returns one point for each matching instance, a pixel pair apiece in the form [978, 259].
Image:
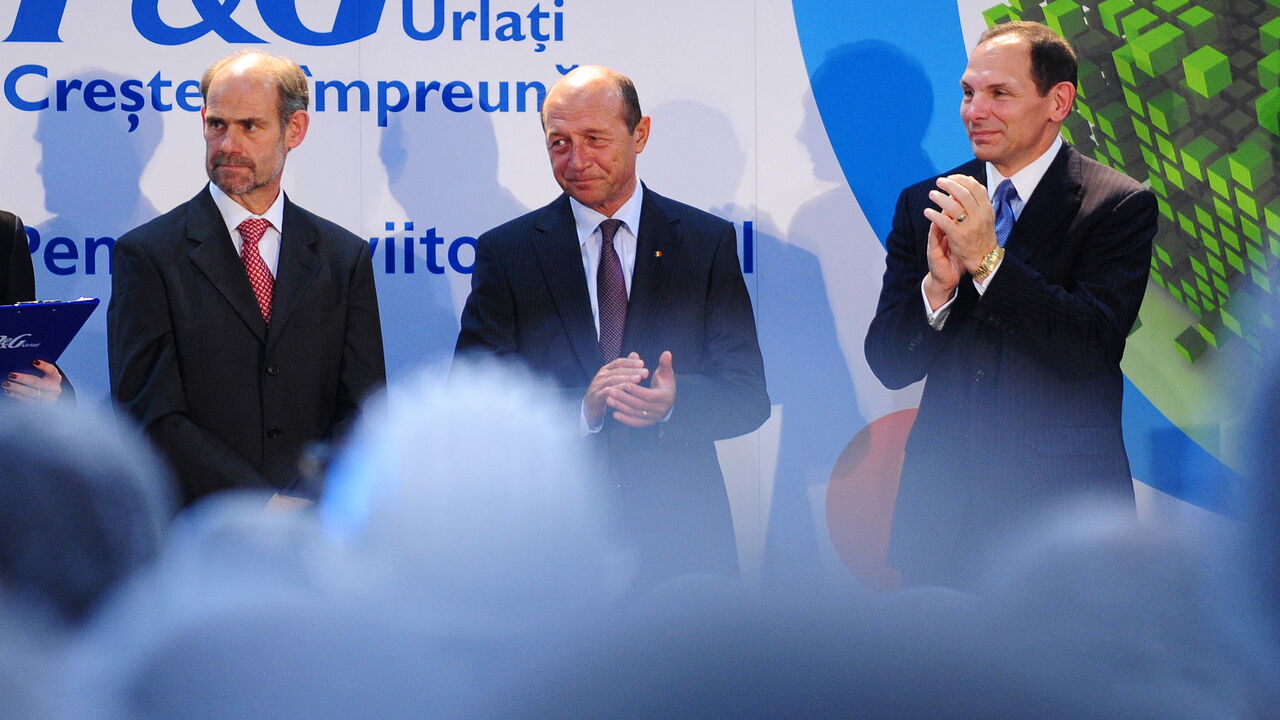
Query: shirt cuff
[937, 318]
[584, 427]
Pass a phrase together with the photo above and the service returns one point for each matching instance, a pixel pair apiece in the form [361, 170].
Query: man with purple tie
[634, 305]
[1010, 286]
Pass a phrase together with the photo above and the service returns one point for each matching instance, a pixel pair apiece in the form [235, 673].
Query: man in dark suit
[635, 306]
[18, 284]
[1010, 286]
[242, 327]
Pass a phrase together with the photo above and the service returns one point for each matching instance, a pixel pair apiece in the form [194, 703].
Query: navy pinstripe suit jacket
[1021, 403]
[529, 303]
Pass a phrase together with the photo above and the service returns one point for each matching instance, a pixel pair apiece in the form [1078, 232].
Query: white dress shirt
[233, 213]
[624, 242]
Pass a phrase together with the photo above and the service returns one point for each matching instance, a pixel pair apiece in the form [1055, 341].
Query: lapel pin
[657, 253]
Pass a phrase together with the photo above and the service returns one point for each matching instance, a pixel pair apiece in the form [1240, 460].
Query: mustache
[229, 160]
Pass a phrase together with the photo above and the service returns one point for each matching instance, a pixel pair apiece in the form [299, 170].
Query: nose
[578, 156]
[973, 107]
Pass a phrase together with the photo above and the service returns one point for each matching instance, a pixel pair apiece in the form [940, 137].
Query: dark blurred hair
[1052, 58]
[83, 503]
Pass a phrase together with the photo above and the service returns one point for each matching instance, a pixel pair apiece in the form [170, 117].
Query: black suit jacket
[229, 400]
[1021, 403]
[529, 302]
[17, 278]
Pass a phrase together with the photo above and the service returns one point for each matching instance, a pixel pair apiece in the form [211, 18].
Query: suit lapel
[294, 270]
[653, 247]
[560, 258]
[1055, 201]
[214, 254]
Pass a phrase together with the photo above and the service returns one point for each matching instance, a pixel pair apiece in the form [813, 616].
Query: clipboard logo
[18, 341]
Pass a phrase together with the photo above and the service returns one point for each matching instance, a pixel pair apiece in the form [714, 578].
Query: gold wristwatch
[989, 263]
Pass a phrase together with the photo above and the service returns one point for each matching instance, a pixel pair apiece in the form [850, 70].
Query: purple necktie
[611, 293]
[1006, 193]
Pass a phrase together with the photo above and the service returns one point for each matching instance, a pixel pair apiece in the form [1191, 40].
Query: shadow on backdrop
[875, 102]
[804, 366]
[443, 170]
[91, 167]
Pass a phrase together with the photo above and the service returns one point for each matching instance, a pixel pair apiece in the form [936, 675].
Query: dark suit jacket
[17, 279]
[529, 302]
[229, 400]
[1021, 403]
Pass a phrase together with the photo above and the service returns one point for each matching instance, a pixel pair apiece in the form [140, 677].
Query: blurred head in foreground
[83, 503]
[473, 500]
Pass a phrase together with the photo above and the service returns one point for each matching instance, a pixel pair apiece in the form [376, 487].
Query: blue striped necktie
[1006, 193]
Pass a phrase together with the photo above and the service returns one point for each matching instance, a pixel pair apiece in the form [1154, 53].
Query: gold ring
[963, 216]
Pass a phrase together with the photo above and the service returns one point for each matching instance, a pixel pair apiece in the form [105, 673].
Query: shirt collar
[587, 220]
[1026, 179]
[233, 213]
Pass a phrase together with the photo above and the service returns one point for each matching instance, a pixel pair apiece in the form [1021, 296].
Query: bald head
[281, 73]
[597, 79]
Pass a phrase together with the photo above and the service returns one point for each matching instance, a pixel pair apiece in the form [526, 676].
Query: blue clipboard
[39, 330]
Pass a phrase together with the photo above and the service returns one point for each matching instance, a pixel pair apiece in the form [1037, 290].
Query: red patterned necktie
[251, 232]
[611, 293]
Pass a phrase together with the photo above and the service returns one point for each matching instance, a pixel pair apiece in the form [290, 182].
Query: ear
[296, 129]
[641, 134]
[1063, 95]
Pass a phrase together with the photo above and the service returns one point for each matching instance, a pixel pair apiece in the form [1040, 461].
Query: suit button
[273, 370]
[274, 432]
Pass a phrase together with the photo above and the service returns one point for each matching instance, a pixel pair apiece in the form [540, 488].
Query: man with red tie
[242, 327]
[634, 305]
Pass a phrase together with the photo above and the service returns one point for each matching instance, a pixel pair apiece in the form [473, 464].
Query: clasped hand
[617, 387]
[961, 231]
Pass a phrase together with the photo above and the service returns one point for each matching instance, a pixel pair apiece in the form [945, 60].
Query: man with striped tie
[1010, 286]
[634, 305]
[242, 327]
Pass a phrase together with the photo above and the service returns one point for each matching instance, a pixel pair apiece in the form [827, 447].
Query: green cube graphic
[1201, 25]
[1269, 36]
[1251, 165]
[1219, 172]
[1137, 21]
[1158, 50]
[1170, 6]
[1111, 11]
[1271, 216]
[1269, 70]
[1143, 132]
[1208, 71]
[1246, 204]
[1269, 110]
[1196, 155]
[1168, 111]
[1066, 17]
[1224, 211]
[1191, 345]
[1113, 119]
[998, 14]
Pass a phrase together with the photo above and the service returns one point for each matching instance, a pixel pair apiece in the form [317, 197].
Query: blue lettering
[91, 248]
[215, 15]
[131, 92]
[11, 87]
[63, 89]
[96, 91]
[748, 247]
[455, 247]
[389, 256]
[421, 90]
[510, 30]
[187, 95]
[356, 19]
[432, 241]
[437, 23]
[38, 21]
[522, 92]
[33, 240]
[486, 104]
[157, 85]
[344, 90]
[401, 102]
[59, 249]
[455, 91]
